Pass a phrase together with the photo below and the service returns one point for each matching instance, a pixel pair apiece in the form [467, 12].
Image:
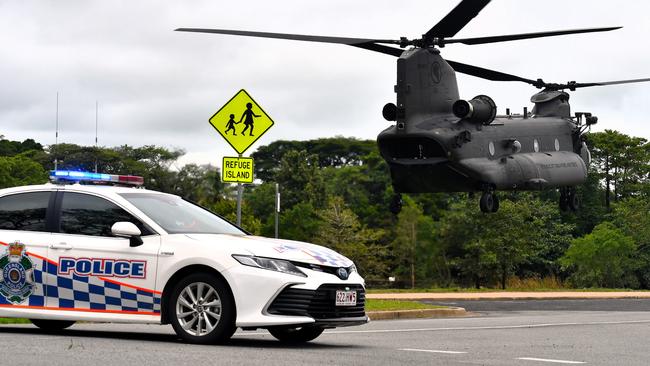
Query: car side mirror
[125, 229]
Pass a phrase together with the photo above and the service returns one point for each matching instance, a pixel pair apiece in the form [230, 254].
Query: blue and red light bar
[74, 176]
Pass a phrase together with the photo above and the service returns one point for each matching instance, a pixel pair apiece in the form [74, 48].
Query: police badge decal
[16, 274]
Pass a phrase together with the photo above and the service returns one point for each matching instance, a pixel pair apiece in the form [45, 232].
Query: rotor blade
[380, 48]
[487, 73]
[458, 18]
[295, 37]
[572, 85]
[514, 37]
[615, 82]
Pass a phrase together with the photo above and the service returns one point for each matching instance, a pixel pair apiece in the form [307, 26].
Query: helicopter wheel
[569, 200]
[489, 202]
[395, 205]
[573, 201]
[564, 201]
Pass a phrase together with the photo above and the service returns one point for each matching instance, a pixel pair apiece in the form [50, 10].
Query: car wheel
[202, 310]
[296, 335]
[52, 325]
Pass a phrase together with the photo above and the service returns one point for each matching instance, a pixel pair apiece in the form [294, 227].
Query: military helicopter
[441, 143]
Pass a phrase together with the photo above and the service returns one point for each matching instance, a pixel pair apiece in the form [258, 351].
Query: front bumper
[267, 299]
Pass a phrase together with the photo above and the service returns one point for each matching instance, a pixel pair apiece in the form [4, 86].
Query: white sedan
[97, 252]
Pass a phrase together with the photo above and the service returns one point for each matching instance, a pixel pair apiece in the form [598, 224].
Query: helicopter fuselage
[430, 149]
[444, 154]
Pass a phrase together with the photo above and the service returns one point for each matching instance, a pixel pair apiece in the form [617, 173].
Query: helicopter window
[491, 148]
[536, 145]
[557, 145]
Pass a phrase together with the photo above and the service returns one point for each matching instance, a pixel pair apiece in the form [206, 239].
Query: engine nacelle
[481, 109]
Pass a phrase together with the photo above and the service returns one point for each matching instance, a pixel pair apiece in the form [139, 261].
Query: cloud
[156, 86]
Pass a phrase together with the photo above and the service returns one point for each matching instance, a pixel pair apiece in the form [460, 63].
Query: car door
[25, 236]
[95, 271]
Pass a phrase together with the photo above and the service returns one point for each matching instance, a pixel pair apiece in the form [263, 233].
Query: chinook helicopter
[441, 143]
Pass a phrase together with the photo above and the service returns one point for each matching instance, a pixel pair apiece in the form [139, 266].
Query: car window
[24, 211]
[178, 216]
[85, 214]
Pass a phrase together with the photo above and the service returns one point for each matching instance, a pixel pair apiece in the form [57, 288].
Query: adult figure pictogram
[248, 122]
[230, 125]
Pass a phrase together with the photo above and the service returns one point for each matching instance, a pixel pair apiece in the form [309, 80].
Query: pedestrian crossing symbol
[241, 121]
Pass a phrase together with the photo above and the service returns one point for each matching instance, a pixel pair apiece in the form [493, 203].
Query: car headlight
[277, 265]
[353, 268]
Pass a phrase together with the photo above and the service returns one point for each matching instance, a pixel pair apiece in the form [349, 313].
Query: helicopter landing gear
[569, 200]
[489, 202]
[395, 205]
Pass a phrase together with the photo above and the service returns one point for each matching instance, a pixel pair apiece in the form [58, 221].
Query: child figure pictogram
[230, 125]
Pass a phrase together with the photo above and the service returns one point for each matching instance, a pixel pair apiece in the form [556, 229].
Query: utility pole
[277, 210]
[240, 193]
[56, 136]
[96, 124]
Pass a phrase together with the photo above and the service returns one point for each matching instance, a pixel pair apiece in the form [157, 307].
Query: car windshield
[178, 216]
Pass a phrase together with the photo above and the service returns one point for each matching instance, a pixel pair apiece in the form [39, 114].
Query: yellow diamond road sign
[237, 170]
[241, 121]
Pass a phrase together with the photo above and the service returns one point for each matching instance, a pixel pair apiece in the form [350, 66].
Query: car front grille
[319, 303]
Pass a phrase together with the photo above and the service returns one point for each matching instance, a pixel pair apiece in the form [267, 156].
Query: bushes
[604, 258]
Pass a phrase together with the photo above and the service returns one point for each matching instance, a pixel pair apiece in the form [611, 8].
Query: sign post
[240, 109]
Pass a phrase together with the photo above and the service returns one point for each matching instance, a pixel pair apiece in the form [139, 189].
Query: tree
[413, 239]
[20, 171]
[340, 230]
[331, 152]
[621, 162]
[198, 183]
[631, 216]
[300, 179]
[604, 258]
[300, 222]
[492, 247]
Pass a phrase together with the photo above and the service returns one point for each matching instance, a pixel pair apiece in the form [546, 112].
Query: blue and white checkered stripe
[86, 292]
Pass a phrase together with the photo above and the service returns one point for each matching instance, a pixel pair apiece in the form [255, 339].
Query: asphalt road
[510, 306]
[496, 337]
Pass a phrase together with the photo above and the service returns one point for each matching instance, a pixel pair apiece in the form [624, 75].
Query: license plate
[346, 298]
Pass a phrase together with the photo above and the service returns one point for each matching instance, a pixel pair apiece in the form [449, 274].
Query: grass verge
[14, 321]
[387, 305]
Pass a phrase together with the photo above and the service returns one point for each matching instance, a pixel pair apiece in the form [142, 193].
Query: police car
[105, 249]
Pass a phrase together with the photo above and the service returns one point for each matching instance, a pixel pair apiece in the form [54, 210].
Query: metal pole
[56, 136]
[240, 192]
[96, 124]
[277, 208]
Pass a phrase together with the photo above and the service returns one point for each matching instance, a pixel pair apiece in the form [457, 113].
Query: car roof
[90, 188]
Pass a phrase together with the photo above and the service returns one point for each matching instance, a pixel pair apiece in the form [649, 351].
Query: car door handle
[64, 246]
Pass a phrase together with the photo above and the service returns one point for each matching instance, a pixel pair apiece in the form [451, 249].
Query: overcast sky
[159, 87]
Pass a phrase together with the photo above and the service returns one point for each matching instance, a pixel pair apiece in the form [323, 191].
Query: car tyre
[296, 335]
[201, 309]
[52, 325]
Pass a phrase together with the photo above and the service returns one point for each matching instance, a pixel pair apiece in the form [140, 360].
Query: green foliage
[604, 258]
[12, 148]
[301, 179]
[489, 248]
[20, 171]
[300, 222]
[414, 242]
[335, 191]
[340, 230]
[331, 152]
[621, 161]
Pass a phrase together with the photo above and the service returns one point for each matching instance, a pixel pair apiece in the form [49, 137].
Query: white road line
[430, 351]
[519, 326]
[548, 360]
